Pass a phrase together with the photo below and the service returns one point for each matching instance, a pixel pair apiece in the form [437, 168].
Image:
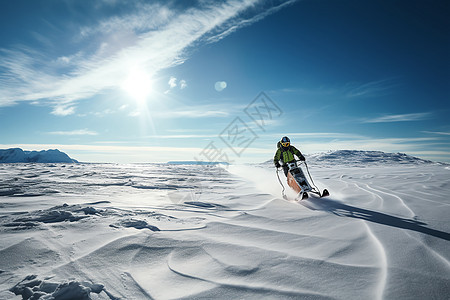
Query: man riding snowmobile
[285, 153]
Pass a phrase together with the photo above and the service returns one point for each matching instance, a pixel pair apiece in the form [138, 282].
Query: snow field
[157, 231]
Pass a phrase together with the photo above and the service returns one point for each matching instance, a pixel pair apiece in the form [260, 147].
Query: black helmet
[285, 142]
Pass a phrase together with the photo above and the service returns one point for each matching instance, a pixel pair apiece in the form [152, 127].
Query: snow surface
[17, 155]
[162, 231]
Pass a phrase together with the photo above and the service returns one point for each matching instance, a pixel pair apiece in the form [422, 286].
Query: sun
[138, 85]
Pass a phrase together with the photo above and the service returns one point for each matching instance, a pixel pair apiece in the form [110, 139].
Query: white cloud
[351, 90]
[64, 59]
[229, 27]
[437, 132]
[144, 18]
[75, 132]
[63, 110]
[369, 89]
[134, 113]
[103, 113]
[218, 110]
[172, 82]
[183, 136]
[399, 118]
[195, 114]
[159, 38]
[322, 135]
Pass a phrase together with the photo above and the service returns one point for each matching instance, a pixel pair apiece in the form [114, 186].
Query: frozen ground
[157, 231]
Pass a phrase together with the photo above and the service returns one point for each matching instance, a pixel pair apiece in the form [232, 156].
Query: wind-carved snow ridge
[166, 231]
[33, 288]
[383, 264]
[138, 224]
[391, 194]
[56, 214]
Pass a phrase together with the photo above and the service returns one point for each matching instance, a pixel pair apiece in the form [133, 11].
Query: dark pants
[285, 169]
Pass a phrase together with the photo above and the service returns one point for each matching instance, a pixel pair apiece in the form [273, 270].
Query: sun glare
[137, 85]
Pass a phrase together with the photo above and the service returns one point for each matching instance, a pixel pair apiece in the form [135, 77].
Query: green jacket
[286, 156]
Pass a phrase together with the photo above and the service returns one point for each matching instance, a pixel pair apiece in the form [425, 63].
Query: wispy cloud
[217, 110]
[142, 19]
[322, 135]
[399, 118]
[74, 132]
[183, 136]
[155, 37]
[134, 113]
[351, 90]
[369, 89]
[63, 110]
[195, 114]
[437, 132]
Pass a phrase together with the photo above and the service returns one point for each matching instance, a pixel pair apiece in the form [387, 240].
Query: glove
[277, 165]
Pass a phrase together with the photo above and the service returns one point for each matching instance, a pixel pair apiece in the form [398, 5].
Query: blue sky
[153, 81]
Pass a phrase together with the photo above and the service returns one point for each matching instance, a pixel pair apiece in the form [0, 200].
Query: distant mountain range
[368, 157]
[361, 158]
[17, 155]
[339, 157]
[194, 162]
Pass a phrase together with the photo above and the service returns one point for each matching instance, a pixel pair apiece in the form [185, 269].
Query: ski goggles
[285, 144]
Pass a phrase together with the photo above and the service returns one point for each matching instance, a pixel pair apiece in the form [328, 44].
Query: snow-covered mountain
[17, 155]
[364, 158]
[356, 158]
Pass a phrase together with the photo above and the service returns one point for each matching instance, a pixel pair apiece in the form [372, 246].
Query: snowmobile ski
[301, 196]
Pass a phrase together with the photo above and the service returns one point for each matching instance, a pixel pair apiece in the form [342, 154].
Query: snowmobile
[296, 179]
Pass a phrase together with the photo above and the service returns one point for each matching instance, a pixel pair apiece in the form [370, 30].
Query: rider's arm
[276, 158]
[298, 153]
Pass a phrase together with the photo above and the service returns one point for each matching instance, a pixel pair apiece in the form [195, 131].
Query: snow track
[383, 264]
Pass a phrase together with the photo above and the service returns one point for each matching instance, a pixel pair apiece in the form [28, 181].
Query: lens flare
[220, 86]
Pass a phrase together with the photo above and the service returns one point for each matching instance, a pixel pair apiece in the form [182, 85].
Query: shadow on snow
[343, 210]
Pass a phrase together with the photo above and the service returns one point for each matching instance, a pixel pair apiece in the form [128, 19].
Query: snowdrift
[17, 155]
[163, 231]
